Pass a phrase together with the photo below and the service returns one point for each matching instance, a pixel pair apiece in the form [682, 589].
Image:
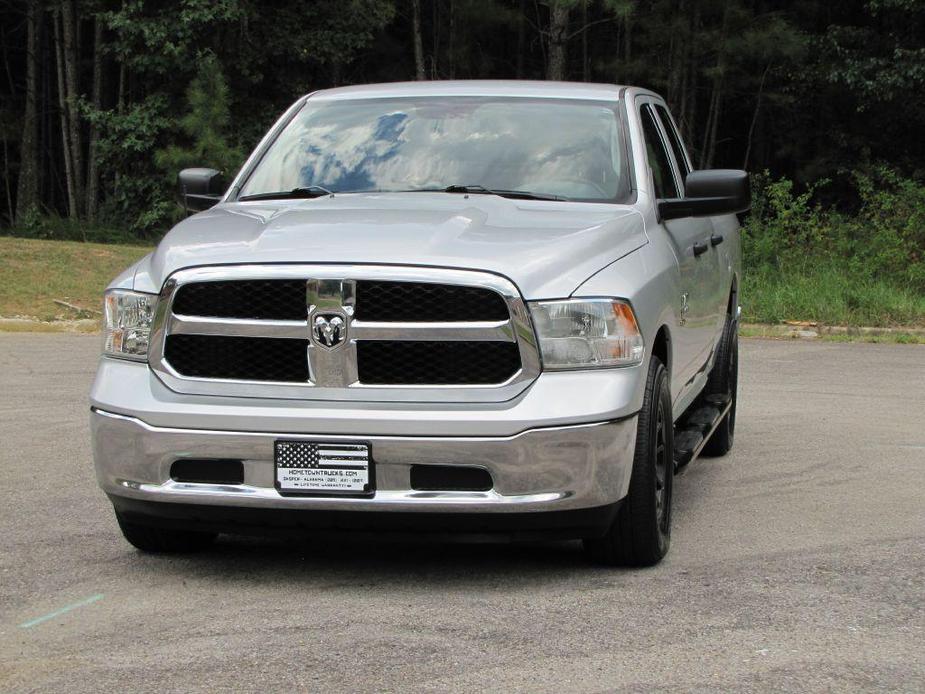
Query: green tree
[205, 126]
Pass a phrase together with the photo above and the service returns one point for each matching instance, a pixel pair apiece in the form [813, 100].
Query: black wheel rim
[663, 469]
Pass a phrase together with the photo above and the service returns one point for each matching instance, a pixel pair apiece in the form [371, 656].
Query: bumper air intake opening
[450, 478]
[206, 471]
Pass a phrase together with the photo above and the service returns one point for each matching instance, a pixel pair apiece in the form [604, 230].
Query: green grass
[888, 338]
[828, 295]
[896, 336]
[33, 273]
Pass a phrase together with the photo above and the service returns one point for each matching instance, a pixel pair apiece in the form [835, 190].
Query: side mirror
[200, 189]
[708, 193]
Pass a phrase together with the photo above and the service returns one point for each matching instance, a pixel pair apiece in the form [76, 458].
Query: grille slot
[239, 358]
[254, 299]
[208, 471]
[450, 478]
[427, 303]
[396, 362]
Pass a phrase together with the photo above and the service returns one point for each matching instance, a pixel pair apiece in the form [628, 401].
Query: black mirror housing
[708, 193]
[200, 188]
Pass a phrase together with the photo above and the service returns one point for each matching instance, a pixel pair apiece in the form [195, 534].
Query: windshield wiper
[516, 194]
[303, 192]
[482, 190]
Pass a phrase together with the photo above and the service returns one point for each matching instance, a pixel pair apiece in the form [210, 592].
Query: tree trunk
[69, 30]
[120, 109]
[715, 110]
[751, 127]
[681, 112]
[677, 48]
[716, 98]
[6, 182]
[694, 74]
[671, 90]
[7, 178]
[4, 43]
[93, 174]
[451, 50]
[585, 65]
[435, 42]
[120, 98]
[627, 40]
[686, 67]
[27, 191]
[62, 107]
[521, 22]
[558, 36]
[419, 73]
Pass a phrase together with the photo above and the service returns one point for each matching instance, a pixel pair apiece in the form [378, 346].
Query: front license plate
[321, 468]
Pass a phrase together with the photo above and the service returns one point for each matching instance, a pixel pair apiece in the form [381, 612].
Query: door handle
[716, 239]
[700, 248]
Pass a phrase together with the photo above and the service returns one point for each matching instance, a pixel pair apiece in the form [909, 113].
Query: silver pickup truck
[489, 308]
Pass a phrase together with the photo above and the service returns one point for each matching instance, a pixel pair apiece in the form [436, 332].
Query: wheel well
[733, 305]
[661, 347]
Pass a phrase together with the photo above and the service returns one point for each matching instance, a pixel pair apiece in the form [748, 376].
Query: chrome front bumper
[560, 468]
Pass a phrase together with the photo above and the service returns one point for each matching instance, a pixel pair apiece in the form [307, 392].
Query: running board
[695, 427]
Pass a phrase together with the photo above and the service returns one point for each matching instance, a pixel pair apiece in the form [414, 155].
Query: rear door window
[659, 161]
[674, 139]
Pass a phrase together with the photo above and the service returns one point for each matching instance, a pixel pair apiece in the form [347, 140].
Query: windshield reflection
[552, 147]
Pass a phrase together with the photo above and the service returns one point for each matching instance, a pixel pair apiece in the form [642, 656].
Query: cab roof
[520, 88]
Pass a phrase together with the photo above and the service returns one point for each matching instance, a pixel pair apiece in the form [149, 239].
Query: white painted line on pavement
[63, 610]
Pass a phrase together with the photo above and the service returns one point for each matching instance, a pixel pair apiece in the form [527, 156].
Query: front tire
[163, 540]
[641, 533]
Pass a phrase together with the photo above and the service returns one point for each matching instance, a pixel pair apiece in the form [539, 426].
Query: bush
[138, 198]
[883, 241]
[53, 227]
[809, 262]
[888, 236]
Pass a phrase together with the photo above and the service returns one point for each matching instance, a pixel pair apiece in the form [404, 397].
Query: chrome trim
[480, 331]
[383, 498]
[542, 469]
[235, 327]
[333, 373]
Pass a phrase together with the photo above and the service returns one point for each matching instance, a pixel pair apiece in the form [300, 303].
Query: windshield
[566, 148]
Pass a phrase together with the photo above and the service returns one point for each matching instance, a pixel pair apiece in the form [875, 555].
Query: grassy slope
[830, 296]
[33, 273]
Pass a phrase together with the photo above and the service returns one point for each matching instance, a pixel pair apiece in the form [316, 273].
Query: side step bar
[693, 430]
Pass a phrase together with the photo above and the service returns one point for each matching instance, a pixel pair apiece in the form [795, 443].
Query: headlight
[585, 333]
[127, 320]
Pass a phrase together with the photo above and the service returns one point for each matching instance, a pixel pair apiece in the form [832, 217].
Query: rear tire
[163, 540]
[724, 380]
[641, 533]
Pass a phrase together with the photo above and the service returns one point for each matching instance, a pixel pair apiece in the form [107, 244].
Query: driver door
[689, 238]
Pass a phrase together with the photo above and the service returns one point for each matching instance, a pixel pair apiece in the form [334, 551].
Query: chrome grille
[376, 301]
[343, 333]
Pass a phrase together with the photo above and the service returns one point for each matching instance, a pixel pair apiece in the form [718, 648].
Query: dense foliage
[103, 100]
[809, 260]
[884, 237]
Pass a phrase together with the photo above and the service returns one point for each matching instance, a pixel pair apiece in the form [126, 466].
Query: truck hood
[546, 248]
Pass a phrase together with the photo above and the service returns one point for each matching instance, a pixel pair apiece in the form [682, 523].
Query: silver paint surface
[545, 249]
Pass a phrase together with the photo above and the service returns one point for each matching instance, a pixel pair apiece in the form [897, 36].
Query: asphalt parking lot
[798, 563]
